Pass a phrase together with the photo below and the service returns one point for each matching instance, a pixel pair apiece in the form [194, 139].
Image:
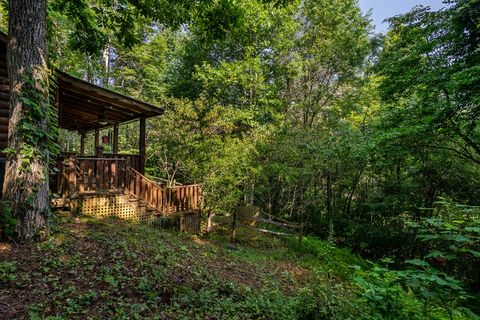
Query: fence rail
[88, 174]
[101, 174]
[249, 217]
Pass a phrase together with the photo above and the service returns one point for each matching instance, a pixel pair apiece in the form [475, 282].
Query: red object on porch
[105, 139]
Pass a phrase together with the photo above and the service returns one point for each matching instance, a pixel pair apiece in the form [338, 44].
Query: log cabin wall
[4, 108]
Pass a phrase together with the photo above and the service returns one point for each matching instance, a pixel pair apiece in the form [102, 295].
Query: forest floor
[107, 268]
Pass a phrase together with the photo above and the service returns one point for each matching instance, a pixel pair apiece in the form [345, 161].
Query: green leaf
[473, 229]
[435, 254]
[28, 101]
[459, 238]
[476, 254]
[427, 237]
[418, 263]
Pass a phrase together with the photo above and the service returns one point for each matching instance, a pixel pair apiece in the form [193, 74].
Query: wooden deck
[119, 174]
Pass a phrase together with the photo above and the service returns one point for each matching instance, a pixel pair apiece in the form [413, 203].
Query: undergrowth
[106, 268]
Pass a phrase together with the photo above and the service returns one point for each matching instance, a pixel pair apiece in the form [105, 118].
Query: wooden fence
[134, 160]
[101, 174]
[249, 217]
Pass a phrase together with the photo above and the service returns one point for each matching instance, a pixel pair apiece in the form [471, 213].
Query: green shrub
[7, 271]
[8, 223]
[415, 293]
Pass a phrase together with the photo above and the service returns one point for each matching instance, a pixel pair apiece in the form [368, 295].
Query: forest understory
[94, 268]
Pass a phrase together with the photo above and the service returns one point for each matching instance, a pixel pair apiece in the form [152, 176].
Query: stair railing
[166, 200]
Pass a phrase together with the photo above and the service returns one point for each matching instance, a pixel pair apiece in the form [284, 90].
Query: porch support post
[142, 146]
[58, 106]
[115, 138]
[99, 152]
[82, 144]
[97, 137]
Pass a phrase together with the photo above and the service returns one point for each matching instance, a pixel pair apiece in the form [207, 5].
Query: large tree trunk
[25, 187]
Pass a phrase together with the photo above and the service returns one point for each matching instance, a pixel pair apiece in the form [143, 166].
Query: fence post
[234, 226]
[127, 172]
[210, 216]
[99, 151]
[300, 236]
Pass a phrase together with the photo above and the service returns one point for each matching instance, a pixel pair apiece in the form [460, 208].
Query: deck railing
[89, 174]
[83, 175]
[133, 159]
[101, 174]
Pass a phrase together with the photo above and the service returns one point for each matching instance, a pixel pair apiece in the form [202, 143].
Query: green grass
[106, 268]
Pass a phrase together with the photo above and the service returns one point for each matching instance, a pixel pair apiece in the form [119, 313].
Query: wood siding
[4, 110]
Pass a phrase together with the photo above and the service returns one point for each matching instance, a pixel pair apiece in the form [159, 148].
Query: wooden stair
[141, 204]
[109, 187]
[162, 200]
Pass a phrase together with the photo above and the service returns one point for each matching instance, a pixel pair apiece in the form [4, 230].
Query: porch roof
[84, 106]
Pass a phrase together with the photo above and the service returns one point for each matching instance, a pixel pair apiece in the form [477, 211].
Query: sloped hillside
[92, 269]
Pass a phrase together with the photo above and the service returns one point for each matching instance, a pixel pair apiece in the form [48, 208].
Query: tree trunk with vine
[25, 188]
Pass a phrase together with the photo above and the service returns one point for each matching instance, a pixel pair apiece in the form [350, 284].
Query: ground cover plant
[108, 268]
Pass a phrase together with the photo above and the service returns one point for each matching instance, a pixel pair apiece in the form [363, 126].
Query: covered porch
[88, 109]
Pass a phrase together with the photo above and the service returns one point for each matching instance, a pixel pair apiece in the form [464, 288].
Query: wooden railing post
[99, 151]
[113, 174]
[97, 137]
[137, 185]
[81, 186]
[82, 143]
[71, 174]
[91, 171]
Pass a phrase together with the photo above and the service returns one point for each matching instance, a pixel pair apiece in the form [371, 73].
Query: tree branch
[460, 153]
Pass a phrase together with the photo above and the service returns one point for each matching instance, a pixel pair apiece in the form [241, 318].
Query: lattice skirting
[118, 206]
[191, 222]
[122, 207]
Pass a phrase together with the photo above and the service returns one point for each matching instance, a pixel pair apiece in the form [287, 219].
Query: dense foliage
[298, 107]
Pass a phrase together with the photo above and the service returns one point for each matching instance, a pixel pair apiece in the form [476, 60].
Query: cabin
[104, 184]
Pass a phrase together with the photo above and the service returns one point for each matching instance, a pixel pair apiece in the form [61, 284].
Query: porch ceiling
[85, 107]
